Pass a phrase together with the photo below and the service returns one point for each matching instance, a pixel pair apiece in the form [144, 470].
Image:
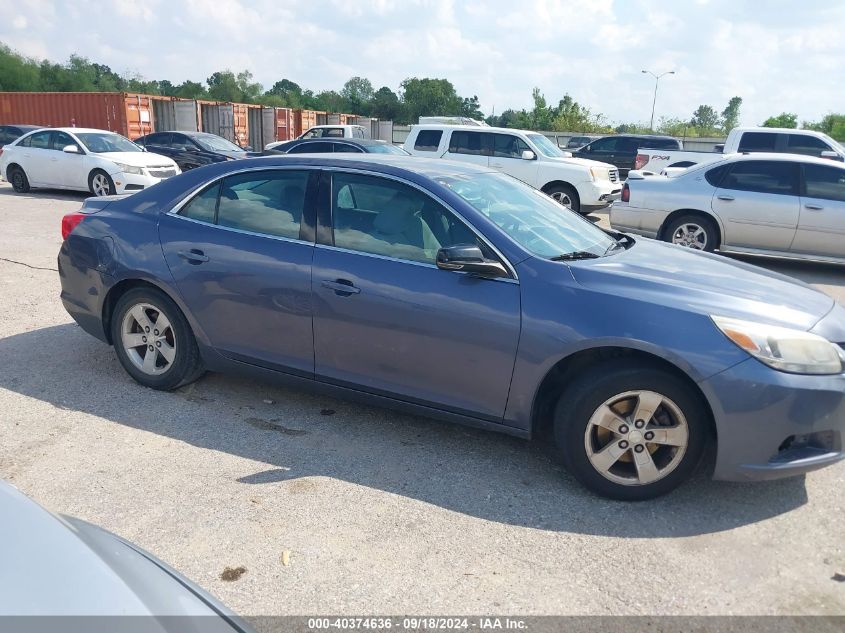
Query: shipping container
[304, 120]
[229, 120]
[284, 124]
[171, 114]
[125, 113]
[262, 126]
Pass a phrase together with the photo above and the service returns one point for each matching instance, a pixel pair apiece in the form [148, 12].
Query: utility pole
[654, 102]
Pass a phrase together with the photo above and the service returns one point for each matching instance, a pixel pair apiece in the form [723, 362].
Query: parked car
[621, 150]
[347, 145]
[577, 142]
[745, 140]
[74, 568]
[328, 131]
[98, 161]
[457, 292]
[9, 133]
[191, 149]
[580, 185]
[775, 204]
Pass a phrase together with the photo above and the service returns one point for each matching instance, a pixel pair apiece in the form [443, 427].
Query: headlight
[129, 169]
[600, 173]
[785, 349]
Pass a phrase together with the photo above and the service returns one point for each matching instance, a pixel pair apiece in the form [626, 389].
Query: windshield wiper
[574, 255]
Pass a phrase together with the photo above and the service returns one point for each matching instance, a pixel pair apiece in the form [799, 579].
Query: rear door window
[40, 140]
[763, 176]
[267, 202]
[472, 143]
[758, 142]
[428, 140]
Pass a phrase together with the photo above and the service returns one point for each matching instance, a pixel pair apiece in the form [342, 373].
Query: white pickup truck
[745, 140]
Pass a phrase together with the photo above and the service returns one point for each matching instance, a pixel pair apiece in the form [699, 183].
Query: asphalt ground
[333, 507]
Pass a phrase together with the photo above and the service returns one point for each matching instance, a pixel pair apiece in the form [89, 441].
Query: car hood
[585, 162]
[138, 159]
[230, 153]
[705, 283]
[65, 566]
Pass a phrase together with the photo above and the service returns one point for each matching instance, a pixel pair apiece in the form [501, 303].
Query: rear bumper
[771, 424]
[641, 221]
[83, 292]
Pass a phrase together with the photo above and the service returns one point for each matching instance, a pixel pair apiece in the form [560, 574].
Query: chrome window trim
[334, 168]
[431, 195]
[231, 229]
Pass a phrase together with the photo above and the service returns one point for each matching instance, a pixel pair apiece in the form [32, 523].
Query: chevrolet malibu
[460, 293]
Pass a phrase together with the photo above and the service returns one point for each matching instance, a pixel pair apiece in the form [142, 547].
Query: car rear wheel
[153, 340]
[566, 196]
[20, 183]
[693, 231]
[101, 184]
[630, 432]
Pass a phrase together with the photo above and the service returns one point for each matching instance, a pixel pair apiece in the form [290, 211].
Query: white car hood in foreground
[137, 159]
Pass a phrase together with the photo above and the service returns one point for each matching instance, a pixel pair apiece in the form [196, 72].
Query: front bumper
[771, 424]
[129, 183]
[598, 194]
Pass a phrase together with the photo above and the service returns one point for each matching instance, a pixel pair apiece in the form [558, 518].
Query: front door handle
[813, 207]
[342, 287]
[193, 256]
[725, 198]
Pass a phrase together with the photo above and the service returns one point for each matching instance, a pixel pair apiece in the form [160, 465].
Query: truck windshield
[529, 217]
[546, 147]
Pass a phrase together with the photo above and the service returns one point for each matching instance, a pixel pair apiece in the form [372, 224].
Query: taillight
[626, 193]
[70, 221]
[640, 161]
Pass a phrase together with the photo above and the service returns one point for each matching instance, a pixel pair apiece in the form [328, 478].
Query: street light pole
[654, 102]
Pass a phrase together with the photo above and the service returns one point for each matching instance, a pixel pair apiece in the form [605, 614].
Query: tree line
[416, 97]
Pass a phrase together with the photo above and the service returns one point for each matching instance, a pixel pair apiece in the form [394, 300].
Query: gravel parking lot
[333, 507]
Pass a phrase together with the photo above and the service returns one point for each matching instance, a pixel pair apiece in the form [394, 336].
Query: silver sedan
[785, 205]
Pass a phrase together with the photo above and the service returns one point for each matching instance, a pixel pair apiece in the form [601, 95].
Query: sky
[778, 55]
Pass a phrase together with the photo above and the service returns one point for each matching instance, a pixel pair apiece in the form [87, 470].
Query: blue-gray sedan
[463, 294]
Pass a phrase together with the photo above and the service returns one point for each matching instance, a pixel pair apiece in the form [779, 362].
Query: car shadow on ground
[46, 194]
[481, 474]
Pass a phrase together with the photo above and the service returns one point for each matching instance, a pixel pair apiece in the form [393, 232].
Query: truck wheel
[565, 195]
[630, 431]
[693, 231]
[20, 183]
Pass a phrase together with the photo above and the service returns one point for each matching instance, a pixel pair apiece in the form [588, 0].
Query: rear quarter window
[428, 140]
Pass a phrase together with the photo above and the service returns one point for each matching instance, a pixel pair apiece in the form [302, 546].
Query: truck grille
[614, 175]
[162, 172]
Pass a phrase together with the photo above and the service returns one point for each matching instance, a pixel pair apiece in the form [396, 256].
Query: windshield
[546, 147]
[106, 142]
[386, 148]
[212, 143]
[530, 217]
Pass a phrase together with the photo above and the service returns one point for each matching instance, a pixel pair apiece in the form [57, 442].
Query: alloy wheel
[690, 235]
[148, 339]
[562, 198]
[100, 185]
[636, 438]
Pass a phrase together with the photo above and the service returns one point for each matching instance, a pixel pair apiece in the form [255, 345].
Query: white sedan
[102, 162]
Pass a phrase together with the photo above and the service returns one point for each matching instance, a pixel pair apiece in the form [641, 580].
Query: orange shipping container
[124, 113]
[284, 124]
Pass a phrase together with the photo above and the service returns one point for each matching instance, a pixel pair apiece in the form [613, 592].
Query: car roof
[23, 126]
[338, 139]
[472, 128]
[84, 130]
[428, 167]
[782, 156]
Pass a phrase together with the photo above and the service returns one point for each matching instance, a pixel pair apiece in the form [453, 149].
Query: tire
[566, 196]
[101, 184]
[693, 231]
[680, 417]
[16, 176]
[134, 333]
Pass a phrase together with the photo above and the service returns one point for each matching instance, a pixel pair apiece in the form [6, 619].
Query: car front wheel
[153, 340]
[566, 196]
[630, 432]
[101, 184]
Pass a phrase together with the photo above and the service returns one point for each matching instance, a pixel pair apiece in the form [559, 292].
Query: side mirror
[528, 155]
[468, 258]
[71, 149]
[831, 154]
[248, 148]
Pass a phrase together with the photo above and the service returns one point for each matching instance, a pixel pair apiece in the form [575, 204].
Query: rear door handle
[813, 207]
[193, 256]
[725, 198]
[342, 287]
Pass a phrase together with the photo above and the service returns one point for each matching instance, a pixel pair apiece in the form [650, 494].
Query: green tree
[223, 86]
[471, 109]
[730, 115]
[385, 105]
[358, 93]
[288, 92]
[17, 72]
[429, 97]
[705, 119]
[328, 100]
[784, 119]
[832, 125]
[190, 90]
[250, 90]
